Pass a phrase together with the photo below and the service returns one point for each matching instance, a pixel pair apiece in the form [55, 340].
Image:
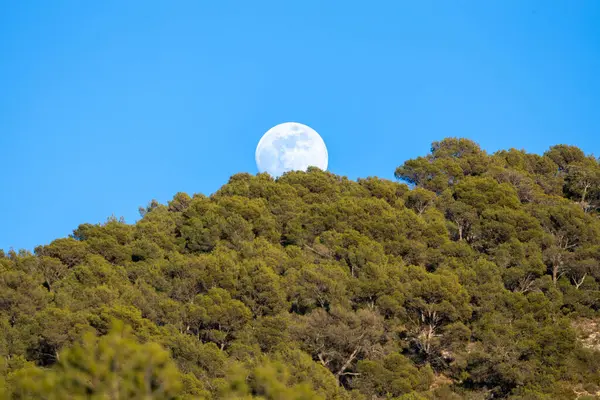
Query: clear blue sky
[106, 105]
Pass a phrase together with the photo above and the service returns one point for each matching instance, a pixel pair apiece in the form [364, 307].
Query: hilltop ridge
[469, 278]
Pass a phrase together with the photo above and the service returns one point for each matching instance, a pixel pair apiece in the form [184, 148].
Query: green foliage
[395, 375]
[114, 366]
[476, 282]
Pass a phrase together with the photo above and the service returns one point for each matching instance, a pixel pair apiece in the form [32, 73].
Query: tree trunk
[322, 360]
[579, 282]
[585, 189]
[346, 364]
[556, 267]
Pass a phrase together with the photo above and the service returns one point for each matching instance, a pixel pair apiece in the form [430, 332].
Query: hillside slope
[313, 286]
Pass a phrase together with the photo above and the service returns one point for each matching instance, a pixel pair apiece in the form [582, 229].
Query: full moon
[290, 146]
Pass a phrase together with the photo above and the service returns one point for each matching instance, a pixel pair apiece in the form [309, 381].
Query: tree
[392, 376]
[583, 182]
[462, 215]
[269, 380]
[52, 270]
[419, 199]
[317, 285]
[340, 338]
[433, 300]
[261, 291]
[564, 155]
[449, 161]
[70, 251]
[217, 316]
[115, 366]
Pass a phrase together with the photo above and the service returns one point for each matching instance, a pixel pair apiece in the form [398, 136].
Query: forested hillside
[472, 277]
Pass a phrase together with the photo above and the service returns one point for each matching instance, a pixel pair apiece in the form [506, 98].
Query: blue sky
[106, 105]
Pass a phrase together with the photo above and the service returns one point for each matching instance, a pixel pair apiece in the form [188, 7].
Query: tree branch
[347, 363]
